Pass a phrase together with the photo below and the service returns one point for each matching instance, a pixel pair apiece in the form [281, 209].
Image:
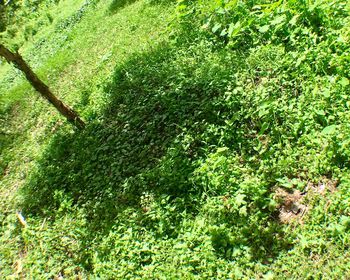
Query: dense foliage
[195, 129]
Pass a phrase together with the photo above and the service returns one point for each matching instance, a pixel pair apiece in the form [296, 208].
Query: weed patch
[199, 137]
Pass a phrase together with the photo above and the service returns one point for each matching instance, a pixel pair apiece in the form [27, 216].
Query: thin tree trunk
[42, 88]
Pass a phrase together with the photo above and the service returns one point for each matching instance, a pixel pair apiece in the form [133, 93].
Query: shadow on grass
[139, 147]
[8, 136]
[117, 5]
[133, 149]
[6, 140]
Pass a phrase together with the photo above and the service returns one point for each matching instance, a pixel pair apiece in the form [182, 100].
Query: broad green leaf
[326, 93]
[223, 32]
[216, 27]
[221, 11]
[240, 199]
[222, 149]
[278, 20]
[234, 29]
[329, 129]
[344, 81]
[230, 29]
[285, 182]
[293, 21]
[264, 28]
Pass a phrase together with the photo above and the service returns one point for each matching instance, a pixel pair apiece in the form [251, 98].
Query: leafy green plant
[192, 134]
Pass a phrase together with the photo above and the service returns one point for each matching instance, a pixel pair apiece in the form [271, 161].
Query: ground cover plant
[216, 144]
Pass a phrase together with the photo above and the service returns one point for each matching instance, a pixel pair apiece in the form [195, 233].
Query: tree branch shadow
[136, 148]
[117, 5]
[131, 150]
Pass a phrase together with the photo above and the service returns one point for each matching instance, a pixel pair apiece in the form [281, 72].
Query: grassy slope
[89, 55]
[167, 181]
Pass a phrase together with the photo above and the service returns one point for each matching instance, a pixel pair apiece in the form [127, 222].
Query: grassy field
[216, 145]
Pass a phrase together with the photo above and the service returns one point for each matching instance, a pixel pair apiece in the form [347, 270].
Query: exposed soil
[293, 205]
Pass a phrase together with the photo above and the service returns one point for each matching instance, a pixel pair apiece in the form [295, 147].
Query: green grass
[190, 134]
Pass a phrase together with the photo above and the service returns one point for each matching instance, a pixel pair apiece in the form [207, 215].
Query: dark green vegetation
[199, 116]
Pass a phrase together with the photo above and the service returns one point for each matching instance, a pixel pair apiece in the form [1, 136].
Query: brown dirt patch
[294, 205]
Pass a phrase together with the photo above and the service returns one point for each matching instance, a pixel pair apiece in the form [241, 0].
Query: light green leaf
[216, 27]
[264, 28]
[293, 21]
[243, 211]
[222, 149]
[220, 11]
[234, 29]
[240, 199]
[223, 32]
[329, 129]
[344, 81]
[278, 20]
[326, 93]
